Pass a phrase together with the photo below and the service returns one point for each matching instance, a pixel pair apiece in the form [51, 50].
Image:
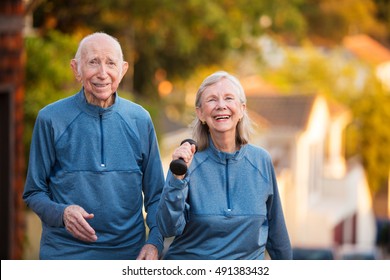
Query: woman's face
[220, 107]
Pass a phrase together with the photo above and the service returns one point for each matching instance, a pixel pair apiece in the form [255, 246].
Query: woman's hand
[185, 152]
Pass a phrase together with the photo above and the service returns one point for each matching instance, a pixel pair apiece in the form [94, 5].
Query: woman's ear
[243, 108]
[199, 114]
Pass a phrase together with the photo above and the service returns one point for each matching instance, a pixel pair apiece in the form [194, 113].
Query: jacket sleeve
[278, 243]
[36, 193]
[153, 182]
[173, 209]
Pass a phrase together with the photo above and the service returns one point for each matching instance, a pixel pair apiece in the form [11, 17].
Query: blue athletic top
[107, 161]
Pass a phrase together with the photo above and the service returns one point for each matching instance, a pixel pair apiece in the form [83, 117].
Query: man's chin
[99, 97]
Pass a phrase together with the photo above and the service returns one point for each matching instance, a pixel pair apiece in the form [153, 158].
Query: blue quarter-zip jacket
[227, 207]
[105, 160]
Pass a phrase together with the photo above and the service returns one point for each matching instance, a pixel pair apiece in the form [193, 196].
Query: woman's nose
[221, 103]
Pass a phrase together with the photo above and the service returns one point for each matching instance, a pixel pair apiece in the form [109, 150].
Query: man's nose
[102, 70]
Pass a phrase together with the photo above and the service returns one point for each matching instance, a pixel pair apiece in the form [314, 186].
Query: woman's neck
[225, 143]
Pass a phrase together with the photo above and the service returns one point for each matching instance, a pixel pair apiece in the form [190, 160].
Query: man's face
[101, 68]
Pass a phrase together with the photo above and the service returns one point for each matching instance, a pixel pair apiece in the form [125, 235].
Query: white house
[326, 200]
[372, 52]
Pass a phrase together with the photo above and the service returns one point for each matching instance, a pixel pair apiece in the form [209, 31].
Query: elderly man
[94, 163]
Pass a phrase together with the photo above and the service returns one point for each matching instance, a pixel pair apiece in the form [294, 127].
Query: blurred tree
[47, 76]
[331, 20]
[168, 36]
[383, 13]
[168, 39]
[371, 116]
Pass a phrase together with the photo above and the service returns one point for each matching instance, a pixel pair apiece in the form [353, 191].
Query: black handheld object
[178, 166]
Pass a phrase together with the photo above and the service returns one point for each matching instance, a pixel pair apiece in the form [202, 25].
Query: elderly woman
[227, 205]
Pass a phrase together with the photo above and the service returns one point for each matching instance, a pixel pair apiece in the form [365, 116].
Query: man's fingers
[148, 252]
[75, 222]
[79, 232]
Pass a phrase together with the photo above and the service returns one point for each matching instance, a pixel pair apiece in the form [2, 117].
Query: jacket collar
[223, 156]
[94, 110]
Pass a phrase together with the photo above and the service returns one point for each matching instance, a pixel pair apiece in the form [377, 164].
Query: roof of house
[255, 85]
[337, 109]
[367, 48]
[290, 111]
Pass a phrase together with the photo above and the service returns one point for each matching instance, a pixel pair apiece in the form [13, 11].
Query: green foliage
[333, 19]
[372, 116]
[286, 17]
[174, 36]
[48, 74]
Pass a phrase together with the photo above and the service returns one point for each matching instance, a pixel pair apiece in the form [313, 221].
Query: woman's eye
[230, 97]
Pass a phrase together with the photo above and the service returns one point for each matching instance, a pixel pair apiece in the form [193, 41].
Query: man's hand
[148, 252]
[75, 223]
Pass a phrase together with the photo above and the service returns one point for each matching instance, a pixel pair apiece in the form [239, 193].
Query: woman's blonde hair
[200, 131]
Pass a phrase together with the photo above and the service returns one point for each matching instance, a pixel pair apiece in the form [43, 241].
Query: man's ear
[125, 66]
[73, 64]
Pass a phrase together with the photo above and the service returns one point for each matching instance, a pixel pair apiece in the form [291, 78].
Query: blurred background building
[12, 64]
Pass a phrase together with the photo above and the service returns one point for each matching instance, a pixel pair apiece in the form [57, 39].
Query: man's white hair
[95, 35]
